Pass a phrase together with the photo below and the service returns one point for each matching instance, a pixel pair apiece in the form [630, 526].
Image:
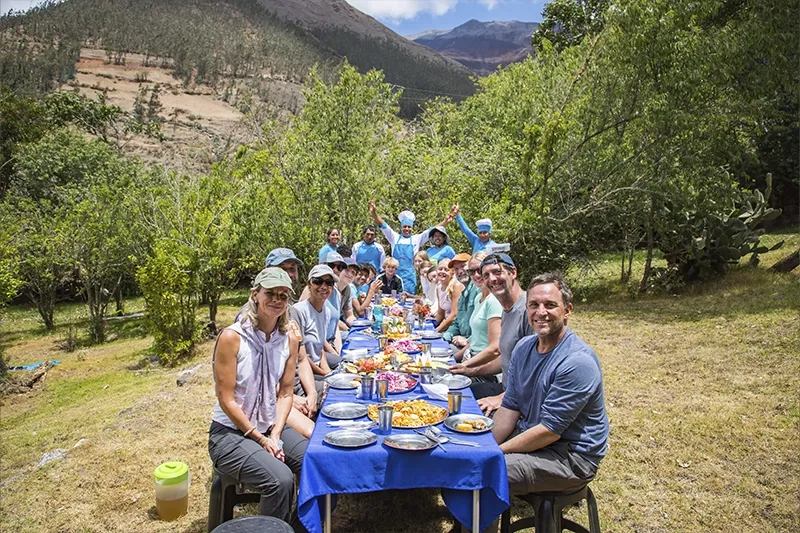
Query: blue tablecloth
[459, 471]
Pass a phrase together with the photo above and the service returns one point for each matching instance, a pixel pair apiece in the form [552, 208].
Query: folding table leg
[327, 527]
[476, 511]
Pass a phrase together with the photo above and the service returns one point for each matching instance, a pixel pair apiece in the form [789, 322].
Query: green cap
[272, 277]
[172, 473]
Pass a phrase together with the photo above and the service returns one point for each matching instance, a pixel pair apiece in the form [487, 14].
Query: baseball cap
[461, 258]
[280, 255]
[494, 259]
[272, 277]
[349, 261]
[334, 257]
[322, 270]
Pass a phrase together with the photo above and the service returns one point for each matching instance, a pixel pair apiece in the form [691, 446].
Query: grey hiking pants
[551, 469]
[243, 459]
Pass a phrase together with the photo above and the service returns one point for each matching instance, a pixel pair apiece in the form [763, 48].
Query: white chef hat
[407, 218]
[485, 224]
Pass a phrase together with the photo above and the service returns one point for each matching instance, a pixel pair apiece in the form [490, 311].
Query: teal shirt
[466, 304]
[479, 322]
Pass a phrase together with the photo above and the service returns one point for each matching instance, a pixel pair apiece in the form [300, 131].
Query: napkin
[355, 354]
[436, 391]
[352, 424]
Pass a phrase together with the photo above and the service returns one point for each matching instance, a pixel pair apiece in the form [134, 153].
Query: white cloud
[489, 3]
[397, 10]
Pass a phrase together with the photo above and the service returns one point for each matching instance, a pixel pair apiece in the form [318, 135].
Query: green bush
[168, 282]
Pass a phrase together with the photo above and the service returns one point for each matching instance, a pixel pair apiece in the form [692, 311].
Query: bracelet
[246, 433]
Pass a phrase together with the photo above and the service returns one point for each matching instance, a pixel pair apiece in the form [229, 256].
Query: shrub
[168, 282]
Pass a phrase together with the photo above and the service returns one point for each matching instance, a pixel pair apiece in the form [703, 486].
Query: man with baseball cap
[286, 260]
[460, 330]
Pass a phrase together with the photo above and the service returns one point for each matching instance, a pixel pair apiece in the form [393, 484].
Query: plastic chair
[548, 510]
[226, 493]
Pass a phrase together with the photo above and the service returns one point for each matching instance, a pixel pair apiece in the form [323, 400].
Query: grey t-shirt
[513, 326]
[311, 323]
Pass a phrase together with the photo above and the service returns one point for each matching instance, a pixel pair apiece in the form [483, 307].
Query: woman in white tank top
[254, 365]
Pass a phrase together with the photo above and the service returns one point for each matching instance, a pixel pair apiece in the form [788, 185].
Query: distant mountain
[482, 46]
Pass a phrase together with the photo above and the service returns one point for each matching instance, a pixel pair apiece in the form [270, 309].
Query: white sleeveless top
[445, 300]
[260, 364]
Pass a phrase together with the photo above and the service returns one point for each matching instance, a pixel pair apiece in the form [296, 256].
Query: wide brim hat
[441, 230]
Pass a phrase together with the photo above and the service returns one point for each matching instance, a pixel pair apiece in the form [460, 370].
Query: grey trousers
[243, 459]
[551, 469]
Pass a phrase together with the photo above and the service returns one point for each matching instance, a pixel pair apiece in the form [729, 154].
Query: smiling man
[552, 425]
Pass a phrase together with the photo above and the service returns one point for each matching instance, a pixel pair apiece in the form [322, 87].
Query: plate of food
[344, 381]
[350, 438]
[414, 367]
[465, 423]
[345, 410]
[407, 346]
[398, 383]
[411, 413]
[388, 301]
[410, 441]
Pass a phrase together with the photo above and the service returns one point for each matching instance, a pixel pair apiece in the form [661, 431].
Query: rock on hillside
[482, 46]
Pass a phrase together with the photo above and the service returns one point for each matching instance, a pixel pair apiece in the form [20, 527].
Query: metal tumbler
[454, 402]
[383, 341]
[385, 413]
[382, 389]
[394, 293]
[366, 387]
[384, 328]
[426, 348]
[425, 376]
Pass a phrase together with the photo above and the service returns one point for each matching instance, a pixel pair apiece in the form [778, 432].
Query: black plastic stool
[226, 493]
[255, 524]
[548, 508]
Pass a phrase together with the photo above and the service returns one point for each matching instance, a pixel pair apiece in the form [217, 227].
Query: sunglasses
[338, 266]
[319, 281]
[472, 271]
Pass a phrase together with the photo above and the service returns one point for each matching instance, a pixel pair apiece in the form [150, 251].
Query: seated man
[552, 425]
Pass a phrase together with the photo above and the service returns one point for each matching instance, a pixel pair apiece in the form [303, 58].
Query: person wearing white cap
[440, 245]
[404, 244]
[480, 241]
[253, 367]
[318, 311]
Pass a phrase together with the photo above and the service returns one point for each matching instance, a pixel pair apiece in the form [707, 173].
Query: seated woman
[419, 258]
[428, 278]
[317, 310]
[448, 291]
[390, 280]
[253, 366]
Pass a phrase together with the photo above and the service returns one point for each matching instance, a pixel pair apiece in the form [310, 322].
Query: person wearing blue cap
[483, 239]
[286, 260]
[404, 244]
[369, 251]
[440, 248]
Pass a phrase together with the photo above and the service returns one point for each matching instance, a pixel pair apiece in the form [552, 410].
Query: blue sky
[407, 17]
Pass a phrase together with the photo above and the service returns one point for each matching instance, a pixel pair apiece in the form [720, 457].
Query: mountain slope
[482, 46]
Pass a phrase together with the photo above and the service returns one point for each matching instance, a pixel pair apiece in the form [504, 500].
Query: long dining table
[473, 480]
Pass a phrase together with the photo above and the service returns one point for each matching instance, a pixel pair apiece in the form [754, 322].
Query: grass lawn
[701, 389]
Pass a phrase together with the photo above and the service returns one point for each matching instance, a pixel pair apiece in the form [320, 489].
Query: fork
[437, 441]
[441, 436]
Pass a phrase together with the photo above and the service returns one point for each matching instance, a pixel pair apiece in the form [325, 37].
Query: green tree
[567, 22]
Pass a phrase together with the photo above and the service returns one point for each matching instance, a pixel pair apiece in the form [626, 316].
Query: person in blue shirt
[480, 240]
[552, 424]
[369, 251]
[440, 245]
[333, 236]
[404, 244]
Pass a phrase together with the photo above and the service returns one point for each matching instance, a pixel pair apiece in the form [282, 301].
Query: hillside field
[701, 389]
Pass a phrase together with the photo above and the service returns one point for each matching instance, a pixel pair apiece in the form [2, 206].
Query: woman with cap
[253, 366]
[480, 241]
[317, 310]
[440, 245]
[333, 236]
[404, 244]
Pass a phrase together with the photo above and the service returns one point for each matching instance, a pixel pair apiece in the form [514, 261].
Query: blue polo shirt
[562, 390]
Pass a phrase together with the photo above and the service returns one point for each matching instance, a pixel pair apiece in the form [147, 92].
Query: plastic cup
[382, 389]
[454, 402]
[366, 387]
[385, 413]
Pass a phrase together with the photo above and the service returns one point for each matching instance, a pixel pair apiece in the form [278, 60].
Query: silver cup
[454, 402]
[403, 299]
[394, 361]
[426, 348]
[385, 419]
[384, 328]
[394, 293]
[425, 376]
[383, 341]
[382, 389]
[366, 387]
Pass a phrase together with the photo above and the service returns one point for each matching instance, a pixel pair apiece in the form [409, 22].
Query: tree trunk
[788, 263]
[45, 304]
[213, 303]
[648, 264]
[120, 311]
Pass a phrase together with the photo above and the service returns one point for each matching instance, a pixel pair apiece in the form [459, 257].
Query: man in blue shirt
[552, 425]
[369, 251]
